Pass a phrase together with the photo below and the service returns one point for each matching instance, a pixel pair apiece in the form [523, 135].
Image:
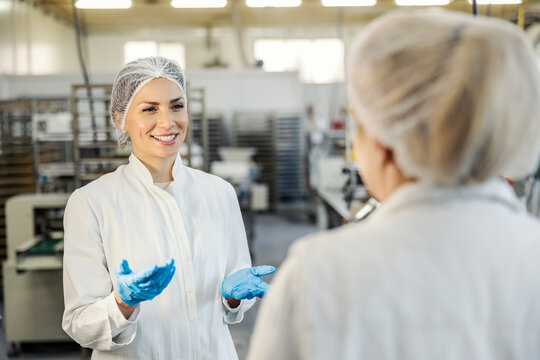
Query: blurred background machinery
[32, 273]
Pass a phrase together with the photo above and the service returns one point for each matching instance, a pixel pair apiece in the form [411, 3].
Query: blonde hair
[456, 97]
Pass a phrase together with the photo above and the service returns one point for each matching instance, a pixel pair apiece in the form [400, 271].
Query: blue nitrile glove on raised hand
[246, 283]
[132, 288]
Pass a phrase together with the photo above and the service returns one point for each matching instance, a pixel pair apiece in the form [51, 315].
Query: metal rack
[198, 128]
[17, 157]
[204, 130]
[215, 136]
[54, 142]
[279, 144]
[256, 130]
[95, 149]
[288, 143]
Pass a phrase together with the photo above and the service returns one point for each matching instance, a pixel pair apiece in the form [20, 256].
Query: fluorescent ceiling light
[496, 2]
[5, 5]
[349, 2]
[103, 4]
[422, 2]
[273, 3]
[194, 4]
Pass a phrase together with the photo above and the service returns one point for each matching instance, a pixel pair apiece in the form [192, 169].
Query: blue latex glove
[246, 283]
[132, 288]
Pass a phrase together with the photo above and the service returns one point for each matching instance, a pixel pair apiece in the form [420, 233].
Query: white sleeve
[91, 316]
[278, 330]
[237, 257]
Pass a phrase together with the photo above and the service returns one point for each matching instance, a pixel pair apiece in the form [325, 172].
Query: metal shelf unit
[203, 130]
[198, 126]
[54, 143]
[288, 143]
[256, 130]
[94, 142]
[17, 157]
[279, 144]
[214, 136]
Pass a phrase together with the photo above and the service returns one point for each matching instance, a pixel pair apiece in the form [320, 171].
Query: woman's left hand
[246, 283]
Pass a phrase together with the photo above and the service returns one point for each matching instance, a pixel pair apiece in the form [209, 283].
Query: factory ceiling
[159, 13]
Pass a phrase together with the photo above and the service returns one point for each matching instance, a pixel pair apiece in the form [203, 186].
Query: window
[318, 61]
[138, 49]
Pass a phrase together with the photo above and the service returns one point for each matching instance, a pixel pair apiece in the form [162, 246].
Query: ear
[386, 153]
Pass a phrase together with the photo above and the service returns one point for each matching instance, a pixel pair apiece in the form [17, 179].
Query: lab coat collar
[496, 191]
[137, 168]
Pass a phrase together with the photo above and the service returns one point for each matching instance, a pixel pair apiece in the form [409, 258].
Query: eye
[177, 106]
[149, 109]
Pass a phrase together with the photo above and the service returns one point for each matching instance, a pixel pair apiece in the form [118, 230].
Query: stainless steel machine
[33, 296]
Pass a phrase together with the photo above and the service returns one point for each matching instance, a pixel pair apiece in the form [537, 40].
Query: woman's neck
[392, 180]
[159, 168]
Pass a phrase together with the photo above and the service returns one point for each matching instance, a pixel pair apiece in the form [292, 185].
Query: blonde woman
[449, 266]
[156, 263]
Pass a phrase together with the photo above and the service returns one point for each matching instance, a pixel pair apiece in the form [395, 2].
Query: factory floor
[273, 235]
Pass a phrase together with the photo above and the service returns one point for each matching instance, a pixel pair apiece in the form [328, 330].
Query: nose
[165, 120]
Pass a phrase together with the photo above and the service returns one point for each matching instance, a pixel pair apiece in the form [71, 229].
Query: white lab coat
[123, 215]
[433, 274]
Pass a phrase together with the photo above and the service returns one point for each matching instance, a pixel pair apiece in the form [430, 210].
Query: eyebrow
[157, 103]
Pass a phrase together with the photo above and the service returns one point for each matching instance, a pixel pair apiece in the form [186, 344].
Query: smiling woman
[156, 124]
[156, 211]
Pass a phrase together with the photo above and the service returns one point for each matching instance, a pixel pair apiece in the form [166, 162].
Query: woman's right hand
[132, 288]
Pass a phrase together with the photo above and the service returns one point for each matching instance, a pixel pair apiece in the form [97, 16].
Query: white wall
[6, 58]
[254, 91]
[33, 43]
[106, 48]
[106, 55]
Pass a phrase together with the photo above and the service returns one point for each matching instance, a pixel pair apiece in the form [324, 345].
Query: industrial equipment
[32, 279]
[28, 144]
[277, 137]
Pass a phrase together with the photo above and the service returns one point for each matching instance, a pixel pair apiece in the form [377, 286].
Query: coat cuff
[236, 315]
[123, 330]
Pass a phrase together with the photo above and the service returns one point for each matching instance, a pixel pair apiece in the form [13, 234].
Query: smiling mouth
[165, 138]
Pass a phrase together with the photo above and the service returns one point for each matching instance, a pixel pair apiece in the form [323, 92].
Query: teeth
[165, 138]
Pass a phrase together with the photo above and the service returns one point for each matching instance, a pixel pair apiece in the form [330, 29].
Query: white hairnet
[132, 78]
[456, 97]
